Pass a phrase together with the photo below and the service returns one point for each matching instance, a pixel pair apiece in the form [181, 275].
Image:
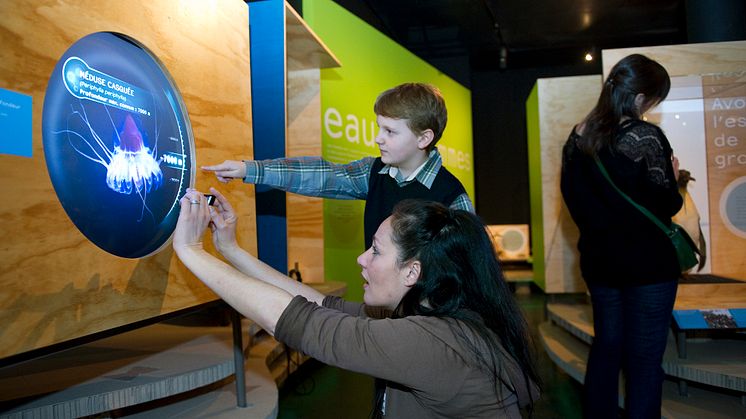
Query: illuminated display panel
[704, 118]
[118, 144]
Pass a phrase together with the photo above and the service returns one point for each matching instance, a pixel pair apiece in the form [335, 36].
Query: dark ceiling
[534, 33]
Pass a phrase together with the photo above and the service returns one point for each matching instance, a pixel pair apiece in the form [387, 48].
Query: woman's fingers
[222, 201]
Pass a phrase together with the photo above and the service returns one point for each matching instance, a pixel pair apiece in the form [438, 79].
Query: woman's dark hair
[633, 74]
[461, 278]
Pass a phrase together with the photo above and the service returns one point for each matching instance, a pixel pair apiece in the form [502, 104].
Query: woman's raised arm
[223, 228]
[251, 296]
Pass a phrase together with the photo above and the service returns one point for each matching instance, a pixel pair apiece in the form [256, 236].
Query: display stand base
[155, 371]
[714, 373]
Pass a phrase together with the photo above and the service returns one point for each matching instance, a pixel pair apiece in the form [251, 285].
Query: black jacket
[618, 244]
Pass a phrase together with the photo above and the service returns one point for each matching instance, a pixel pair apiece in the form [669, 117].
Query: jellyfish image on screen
[131, 167]
[117, 143]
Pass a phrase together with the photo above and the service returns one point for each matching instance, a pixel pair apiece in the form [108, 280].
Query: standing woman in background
[627, 262]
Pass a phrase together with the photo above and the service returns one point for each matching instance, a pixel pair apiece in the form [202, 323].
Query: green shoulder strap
[642, 209]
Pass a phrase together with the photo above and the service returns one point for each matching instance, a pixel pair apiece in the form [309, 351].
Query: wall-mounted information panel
[107, 109]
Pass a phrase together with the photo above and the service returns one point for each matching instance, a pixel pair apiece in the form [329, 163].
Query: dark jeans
[631, 330]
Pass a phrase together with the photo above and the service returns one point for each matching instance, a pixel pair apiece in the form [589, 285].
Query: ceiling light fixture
[588, 56]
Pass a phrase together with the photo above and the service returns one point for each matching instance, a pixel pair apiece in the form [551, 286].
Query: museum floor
[184, 368]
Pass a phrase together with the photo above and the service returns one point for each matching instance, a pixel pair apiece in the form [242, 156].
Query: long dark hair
[633, 74]
[461, 278]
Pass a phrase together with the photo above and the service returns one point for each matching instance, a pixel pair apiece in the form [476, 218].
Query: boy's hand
[228, 170]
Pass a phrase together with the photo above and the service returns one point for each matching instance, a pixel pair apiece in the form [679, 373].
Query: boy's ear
[414, 273]
[425, 138]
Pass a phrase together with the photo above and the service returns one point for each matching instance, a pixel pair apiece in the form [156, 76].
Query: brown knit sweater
[429, 372]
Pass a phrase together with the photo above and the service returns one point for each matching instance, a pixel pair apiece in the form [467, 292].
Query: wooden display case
[553, 108]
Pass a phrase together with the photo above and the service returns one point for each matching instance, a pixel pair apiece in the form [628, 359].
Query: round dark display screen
[118, 144]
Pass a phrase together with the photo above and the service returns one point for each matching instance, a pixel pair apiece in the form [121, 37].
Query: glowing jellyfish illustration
[130, 166]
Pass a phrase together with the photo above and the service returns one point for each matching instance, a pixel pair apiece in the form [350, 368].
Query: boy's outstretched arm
[228, 170]
[310, 176]
[463, 202]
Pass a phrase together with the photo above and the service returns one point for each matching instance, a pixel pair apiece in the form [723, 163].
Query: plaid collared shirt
[314, 176]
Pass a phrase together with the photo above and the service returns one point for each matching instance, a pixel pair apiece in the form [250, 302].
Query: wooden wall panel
[305, 214]
[710, 296]
[725, 141]
[563, 102]
[55, 285]
[306, 55]
[685, 59]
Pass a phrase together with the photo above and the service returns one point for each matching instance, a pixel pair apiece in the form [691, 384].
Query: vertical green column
[535, 185]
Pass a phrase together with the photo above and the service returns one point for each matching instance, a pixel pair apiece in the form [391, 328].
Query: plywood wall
[686, 59]
[305, 214]
[306, 55]
[562, 102]
[55, 285]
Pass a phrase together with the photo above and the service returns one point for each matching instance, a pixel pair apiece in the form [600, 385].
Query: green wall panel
[372, 63]
[535, 185]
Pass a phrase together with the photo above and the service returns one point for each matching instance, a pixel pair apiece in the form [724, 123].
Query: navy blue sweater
[384, 193]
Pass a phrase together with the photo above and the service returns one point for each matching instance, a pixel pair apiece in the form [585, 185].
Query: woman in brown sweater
[438, 322]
